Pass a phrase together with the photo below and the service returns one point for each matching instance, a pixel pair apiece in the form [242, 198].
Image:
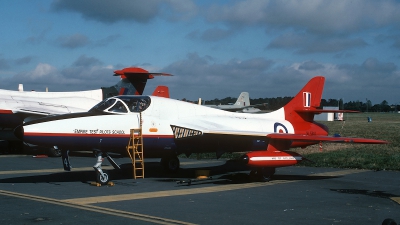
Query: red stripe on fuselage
[5, 111]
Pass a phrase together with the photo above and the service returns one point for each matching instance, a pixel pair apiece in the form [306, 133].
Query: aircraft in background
[171, 127]
[21, 106]
[242, 104]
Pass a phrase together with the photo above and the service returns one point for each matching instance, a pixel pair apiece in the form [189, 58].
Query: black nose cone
[19, 132]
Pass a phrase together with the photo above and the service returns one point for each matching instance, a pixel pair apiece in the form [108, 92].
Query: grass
[384, 126]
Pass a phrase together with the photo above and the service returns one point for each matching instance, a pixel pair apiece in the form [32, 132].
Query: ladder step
[135, 150]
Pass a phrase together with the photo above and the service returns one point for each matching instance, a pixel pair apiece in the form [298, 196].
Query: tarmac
[36, 190]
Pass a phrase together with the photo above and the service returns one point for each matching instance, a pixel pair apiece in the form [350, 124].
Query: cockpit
[123, 104]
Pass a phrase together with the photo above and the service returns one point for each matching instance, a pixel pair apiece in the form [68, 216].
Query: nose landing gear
[101, 176]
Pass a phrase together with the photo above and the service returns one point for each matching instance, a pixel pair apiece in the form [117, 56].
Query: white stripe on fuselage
[264, 158]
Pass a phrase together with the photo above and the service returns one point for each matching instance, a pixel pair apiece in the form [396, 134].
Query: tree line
[278, 102]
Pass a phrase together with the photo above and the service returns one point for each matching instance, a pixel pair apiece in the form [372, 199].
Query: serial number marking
[311, 133]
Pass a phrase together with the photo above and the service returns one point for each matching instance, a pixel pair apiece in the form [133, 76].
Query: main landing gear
[262, 174]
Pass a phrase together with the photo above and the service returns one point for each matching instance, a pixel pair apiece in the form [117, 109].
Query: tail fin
[133, 81]
[243, 99]
[304, 105]
[161, 91]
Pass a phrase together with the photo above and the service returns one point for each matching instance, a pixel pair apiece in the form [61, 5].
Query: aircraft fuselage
[110, 131]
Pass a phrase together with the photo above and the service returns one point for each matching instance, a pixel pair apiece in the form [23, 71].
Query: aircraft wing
[37, 111]
[190, 130]
[45, 109]
[308, 138]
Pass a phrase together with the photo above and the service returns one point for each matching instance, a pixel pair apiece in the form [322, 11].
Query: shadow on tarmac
[231, 172]
[378, 194]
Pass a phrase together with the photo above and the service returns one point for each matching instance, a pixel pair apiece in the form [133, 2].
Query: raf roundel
[280, 128]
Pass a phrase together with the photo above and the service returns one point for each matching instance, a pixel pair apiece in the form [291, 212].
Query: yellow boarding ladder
[135, 151]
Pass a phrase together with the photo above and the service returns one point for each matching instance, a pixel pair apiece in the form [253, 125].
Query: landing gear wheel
[102, 178]
[170, 163]
[263, 174]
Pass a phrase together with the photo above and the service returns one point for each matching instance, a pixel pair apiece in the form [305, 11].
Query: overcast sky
[214, 49]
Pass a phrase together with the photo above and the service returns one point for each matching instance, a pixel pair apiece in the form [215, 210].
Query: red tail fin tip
[161, 91]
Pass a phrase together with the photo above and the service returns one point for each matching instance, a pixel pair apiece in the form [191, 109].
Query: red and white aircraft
[171, 127]
[21, 106]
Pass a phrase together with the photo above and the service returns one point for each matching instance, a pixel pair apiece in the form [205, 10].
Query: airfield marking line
[50, 170]
[114, 212]
[170, 193]
[396, 199]
[338, 173]
[191, 191]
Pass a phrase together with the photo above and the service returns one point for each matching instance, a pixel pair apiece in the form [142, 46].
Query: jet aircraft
[21, 106]
[171, 127]
[242, 104]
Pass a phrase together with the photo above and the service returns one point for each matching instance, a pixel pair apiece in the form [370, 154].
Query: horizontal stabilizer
[132, 71]
[137, 77]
